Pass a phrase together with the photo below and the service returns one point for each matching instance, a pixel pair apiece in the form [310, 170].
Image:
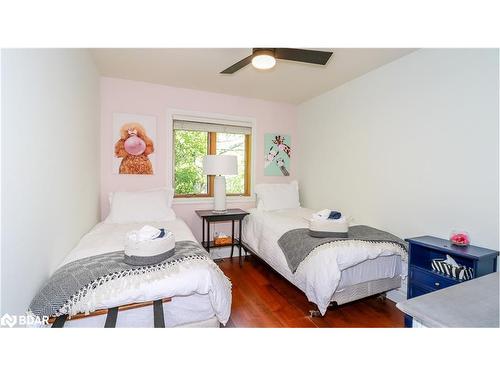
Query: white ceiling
[198, 68]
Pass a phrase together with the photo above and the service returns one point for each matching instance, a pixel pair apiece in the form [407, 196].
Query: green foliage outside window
[233, 144]
[190, 146]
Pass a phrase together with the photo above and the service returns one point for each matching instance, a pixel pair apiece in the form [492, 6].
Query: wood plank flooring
[262, 298]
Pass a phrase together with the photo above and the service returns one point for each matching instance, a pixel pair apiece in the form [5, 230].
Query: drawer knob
[436, 284]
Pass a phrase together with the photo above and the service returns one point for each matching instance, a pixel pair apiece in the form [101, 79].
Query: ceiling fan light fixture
[263, 60]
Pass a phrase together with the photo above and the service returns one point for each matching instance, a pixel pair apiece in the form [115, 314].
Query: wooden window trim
[212, 150]
[248, 157]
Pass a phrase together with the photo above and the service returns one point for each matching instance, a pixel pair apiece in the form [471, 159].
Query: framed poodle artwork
[134, 138]
[277, 155]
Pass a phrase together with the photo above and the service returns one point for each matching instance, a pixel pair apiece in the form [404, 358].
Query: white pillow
[141, 206]
[169, 194]
[277, 196]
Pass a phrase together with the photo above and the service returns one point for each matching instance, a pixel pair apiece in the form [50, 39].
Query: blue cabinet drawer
[416, 290]
[430, 279]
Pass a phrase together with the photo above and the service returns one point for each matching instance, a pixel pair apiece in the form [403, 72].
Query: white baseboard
[225, 252]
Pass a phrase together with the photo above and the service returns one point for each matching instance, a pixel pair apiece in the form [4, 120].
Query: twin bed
[338, 272]
[192, 291]
[335, 272]
[199, 293]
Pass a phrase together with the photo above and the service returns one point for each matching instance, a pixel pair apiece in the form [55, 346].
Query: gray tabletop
[470, 304]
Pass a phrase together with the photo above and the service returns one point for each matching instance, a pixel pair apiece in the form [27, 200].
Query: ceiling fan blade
[240, 64]
[303, 55]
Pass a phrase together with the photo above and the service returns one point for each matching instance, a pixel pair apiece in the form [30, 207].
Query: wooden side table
[233, 215]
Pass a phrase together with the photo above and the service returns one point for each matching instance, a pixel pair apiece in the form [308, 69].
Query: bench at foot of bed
[112, 314]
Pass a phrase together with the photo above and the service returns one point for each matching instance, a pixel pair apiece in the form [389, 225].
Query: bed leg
[382, 296]
[111, 318]
[315, 314]
[59, 322]
[333, 305]
[159, 320]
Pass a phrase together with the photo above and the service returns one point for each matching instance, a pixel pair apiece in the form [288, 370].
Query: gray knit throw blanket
[296, 244]
[76, 280]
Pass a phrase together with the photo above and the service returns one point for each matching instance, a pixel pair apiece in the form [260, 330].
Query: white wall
[1, 133]
[411, 147]
[50, 164]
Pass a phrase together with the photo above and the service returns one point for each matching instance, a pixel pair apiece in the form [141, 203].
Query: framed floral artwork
[277, 149]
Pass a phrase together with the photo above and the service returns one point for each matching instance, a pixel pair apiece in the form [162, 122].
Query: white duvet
[199, 284]
[318, 276]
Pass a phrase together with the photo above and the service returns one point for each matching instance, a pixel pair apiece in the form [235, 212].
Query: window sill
[198, 200]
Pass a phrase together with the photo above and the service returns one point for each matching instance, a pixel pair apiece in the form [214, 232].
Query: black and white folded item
[149, 245]
[451, 268]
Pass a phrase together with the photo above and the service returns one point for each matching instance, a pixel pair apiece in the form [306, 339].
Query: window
[190, 147]
[193, 140]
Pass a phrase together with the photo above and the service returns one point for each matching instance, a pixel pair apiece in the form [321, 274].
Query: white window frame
[215, 118]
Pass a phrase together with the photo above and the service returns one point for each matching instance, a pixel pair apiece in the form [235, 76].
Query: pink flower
[460, 238]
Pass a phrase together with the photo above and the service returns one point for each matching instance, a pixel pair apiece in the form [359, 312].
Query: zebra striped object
[461, 273]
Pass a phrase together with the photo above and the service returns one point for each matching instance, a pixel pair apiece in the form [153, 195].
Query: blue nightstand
[422, 279]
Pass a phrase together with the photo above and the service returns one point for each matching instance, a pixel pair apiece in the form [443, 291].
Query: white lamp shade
[220, 165]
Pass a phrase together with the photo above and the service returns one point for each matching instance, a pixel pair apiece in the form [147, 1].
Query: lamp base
[219, 194]
[219, 211]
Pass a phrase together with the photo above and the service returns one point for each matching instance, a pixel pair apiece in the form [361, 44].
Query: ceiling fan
[265, 58]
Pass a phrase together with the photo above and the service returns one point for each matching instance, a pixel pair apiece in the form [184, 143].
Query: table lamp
[220, 166]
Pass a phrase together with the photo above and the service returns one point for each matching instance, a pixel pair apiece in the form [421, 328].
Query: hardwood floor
[262, 298]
